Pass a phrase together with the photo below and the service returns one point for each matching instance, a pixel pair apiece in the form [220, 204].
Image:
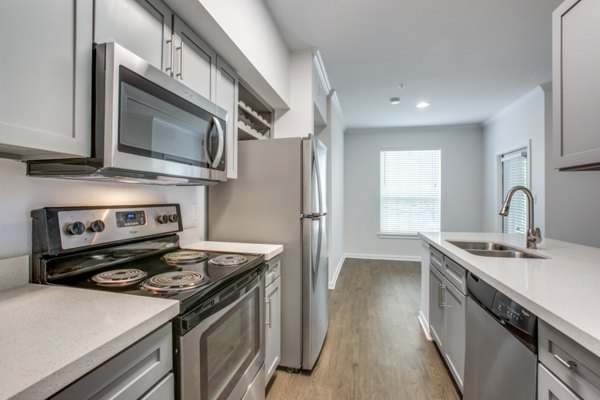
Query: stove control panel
[80, 227]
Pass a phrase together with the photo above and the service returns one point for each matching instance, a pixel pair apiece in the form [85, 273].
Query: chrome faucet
[534, 235]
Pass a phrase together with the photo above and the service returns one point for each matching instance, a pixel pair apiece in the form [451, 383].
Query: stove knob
[162, 219]
[174, 218]
[75, 228]
[97, 226]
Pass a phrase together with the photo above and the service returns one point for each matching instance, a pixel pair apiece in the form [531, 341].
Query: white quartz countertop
[50, 336]
[562, 289]
[269, 251]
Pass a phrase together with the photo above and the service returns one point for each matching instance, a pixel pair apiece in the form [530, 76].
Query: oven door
[147, 121]
[221, 356]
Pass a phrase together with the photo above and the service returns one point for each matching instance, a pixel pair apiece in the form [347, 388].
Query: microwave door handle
[221, 146]
[207, 144]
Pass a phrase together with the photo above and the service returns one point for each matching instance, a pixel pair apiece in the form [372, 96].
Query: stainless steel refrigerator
[279, 197]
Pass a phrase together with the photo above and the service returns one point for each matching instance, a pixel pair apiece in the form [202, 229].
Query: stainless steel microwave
[148, 128]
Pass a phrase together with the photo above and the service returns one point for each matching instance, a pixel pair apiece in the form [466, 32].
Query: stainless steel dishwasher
[501, 346]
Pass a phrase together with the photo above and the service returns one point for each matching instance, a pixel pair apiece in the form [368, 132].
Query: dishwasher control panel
[513, 313]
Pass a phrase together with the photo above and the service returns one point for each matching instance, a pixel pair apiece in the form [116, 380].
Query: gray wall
[520, 124]
[461, 208]
[20, 194]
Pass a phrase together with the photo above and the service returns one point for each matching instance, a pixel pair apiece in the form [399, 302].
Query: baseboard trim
[424, 325]
[338, 269]
[390, 257]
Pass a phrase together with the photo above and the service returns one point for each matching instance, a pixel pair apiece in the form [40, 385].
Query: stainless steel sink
[492, 249]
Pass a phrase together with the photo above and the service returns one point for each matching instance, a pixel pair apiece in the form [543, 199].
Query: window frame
[499, 222]
[407, 235]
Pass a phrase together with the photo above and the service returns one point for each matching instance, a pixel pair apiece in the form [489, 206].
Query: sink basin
[492, 249]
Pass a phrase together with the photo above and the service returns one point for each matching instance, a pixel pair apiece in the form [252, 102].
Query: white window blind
[514, 173]
[409, 191]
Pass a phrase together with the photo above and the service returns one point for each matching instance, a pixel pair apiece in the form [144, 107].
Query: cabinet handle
[180, 50]
[268, 321]
[567, 364]
[442, 295]
[170, 67]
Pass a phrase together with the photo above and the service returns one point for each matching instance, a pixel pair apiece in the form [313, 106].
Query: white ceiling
[468, 58]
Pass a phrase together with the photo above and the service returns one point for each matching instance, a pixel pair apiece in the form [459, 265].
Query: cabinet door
[141, 26]
[273, 328]
[454, 347]
[227, 98]
[576, 69]
[46, 77]
[436, 306]
[131, 373]
[195, 61]
[551, 388]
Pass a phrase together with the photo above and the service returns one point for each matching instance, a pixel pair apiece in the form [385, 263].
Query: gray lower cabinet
[143, 371]
[454, 348]
[46, 78]
[551, 388]
[227, 99]
[437, 315]
[273, 325]
[568, 362]
[447, 312]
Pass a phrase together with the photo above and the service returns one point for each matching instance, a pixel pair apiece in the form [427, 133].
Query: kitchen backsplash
[21, 194]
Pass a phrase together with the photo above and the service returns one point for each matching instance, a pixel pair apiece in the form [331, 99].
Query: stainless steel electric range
[219, 334]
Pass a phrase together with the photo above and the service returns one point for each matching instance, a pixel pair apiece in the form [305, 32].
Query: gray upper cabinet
[227, 99]
[141, 26]
[194, 61]
[576, 75]
[45, 78]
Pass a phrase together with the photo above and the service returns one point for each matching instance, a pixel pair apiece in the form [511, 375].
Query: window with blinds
[409, 191]
[514, 173]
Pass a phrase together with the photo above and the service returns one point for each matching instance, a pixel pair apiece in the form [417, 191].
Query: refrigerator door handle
[316, 265]
[318, 173]
[313, 216]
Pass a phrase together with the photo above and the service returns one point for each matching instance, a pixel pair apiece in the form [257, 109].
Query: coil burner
[119, 277]
[174, 282]
[228, 260]
[184, 257]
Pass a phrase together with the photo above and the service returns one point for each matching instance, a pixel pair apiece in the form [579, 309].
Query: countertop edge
[269, 251]
[65, 376]
[577, 334]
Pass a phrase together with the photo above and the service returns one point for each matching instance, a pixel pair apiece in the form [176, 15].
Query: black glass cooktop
[78, 271]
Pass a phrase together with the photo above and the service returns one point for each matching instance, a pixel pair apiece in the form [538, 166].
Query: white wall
[572, 212]
[461, 208]
[520, 124]
[333, 137]
[245, 35]
[20, 194]
[298, 121]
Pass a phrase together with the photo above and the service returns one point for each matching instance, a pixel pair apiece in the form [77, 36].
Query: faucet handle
[534, 236]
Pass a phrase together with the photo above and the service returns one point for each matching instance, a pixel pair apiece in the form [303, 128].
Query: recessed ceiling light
[395, 100]
[423, 104]
[401, 86]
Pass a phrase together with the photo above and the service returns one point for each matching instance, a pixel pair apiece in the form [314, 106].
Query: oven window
[228, 347]
[154, 122]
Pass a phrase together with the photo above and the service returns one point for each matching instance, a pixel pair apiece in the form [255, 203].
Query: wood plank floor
[375, 348]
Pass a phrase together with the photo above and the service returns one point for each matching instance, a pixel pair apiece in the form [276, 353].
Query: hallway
[375, 348]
